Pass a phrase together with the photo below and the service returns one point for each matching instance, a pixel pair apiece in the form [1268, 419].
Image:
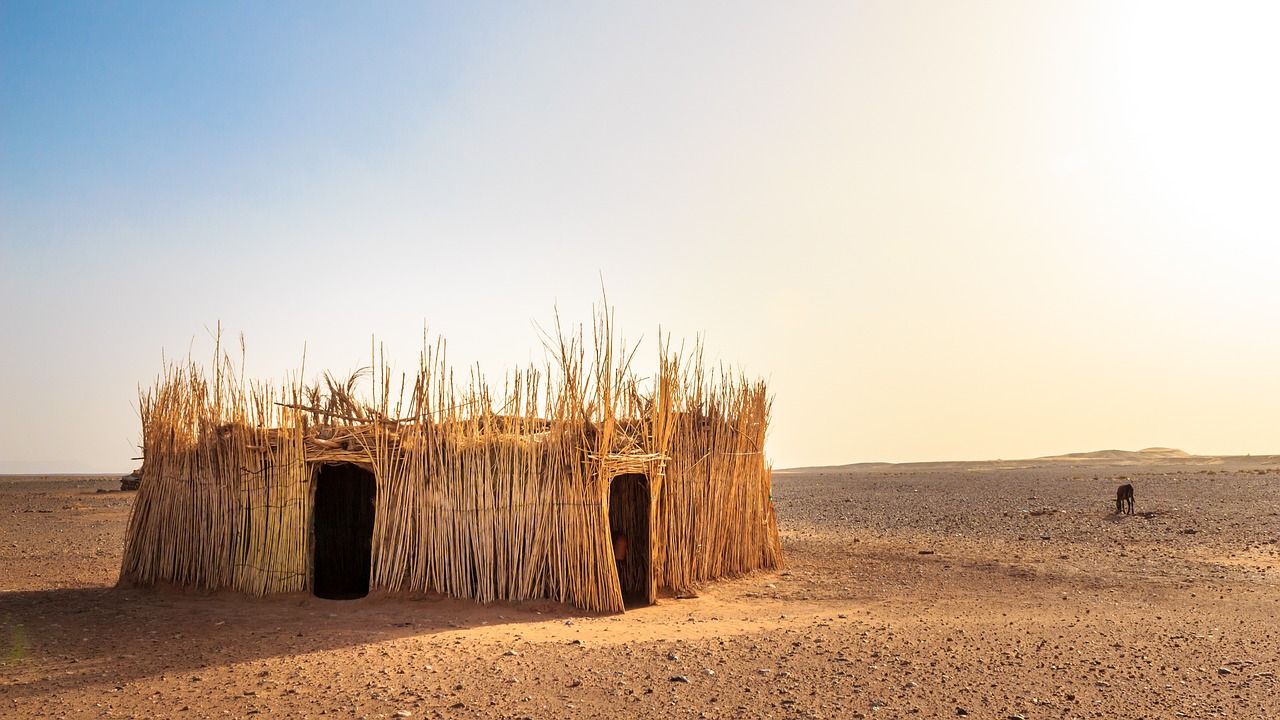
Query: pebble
[402, 714]
[708, 671]
[1226, 671]
[511, 653]
[672, 656]
[680, 679]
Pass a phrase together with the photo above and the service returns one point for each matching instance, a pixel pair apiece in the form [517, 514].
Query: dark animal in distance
[1124, 499]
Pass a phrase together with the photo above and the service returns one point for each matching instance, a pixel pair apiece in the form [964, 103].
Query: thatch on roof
[478, 494]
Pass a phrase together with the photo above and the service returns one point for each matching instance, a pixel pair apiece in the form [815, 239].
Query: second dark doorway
[629, 529]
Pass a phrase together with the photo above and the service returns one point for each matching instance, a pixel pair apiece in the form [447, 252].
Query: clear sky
[939, 230]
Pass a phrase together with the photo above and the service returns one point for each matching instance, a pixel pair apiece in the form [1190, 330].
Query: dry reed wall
[475, 499]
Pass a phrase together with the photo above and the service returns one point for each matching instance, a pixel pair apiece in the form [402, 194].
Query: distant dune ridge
[1152, 456]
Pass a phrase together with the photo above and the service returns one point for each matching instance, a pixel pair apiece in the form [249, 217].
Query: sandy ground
[939, 591]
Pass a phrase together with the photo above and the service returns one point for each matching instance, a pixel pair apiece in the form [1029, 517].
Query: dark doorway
[343, 522]
[629, 529]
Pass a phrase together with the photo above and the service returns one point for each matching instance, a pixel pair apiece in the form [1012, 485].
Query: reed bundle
[478, 495]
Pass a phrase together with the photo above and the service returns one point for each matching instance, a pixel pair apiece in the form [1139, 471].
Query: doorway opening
[343, 527]
[629, 530]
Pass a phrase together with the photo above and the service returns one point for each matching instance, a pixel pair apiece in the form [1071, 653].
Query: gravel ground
[941, 591]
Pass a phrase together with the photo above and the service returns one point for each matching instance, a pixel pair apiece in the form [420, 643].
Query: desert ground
[988, 590]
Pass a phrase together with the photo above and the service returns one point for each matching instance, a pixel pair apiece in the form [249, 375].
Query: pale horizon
[940, 232]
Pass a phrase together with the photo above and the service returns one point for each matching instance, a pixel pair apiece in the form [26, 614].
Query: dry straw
[478, 495]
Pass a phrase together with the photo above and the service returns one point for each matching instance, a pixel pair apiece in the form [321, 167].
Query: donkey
[1124, 499]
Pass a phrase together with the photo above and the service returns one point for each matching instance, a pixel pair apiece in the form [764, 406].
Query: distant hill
[1153, 456]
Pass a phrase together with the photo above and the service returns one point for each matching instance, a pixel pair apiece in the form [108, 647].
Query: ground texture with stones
[939, 591]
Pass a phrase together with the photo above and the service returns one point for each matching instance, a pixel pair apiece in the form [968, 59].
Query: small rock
[672, 656]
[708, 671]
[680, 679]
[402, 714]
[1226, 671]
[765, 671]
[511, 653]
[961, 711]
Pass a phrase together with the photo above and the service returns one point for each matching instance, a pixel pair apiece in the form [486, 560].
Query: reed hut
[433, 482]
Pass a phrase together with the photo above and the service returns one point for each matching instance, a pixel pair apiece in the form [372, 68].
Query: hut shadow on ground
[56, 640]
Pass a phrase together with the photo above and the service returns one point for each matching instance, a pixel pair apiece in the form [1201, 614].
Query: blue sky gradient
[940, 231]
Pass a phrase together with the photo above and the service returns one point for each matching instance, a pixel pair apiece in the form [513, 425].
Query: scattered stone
[926, 552]
[1226, 671]
[961, 711]
[672, 656]
[680, 679]
[402, 714]
[511, 653]
[708, 671]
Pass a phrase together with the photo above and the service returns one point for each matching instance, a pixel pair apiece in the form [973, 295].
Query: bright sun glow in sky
[939, 230]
